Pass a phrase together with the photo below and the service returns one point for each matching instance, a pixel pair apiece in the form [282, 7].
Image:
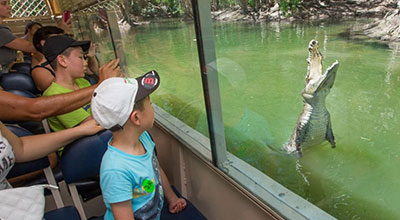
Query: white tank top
[7, 160]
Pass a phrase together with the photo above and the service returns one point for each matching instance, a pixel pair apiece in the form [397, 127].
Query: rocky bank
[386, 29]
[387, 13]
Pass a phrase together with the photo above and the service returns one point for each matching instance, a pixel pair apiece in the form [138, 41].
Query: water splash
[299, 170]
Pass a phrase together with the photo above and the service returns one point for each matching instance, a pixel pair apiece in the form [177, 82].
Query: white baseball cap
[113, 100]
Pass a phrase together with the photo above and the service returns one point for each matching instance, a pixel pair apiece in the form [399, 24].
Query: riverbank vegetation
[136, 11]
[256, 9]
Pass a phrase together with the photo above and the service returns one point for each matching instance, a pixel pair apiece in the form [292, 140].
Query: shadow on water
[358, 37]
[167, 25]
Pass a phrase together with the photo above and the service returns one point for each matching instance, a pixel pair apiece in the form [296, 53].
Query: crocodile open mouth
[314, 124]
[315, 80]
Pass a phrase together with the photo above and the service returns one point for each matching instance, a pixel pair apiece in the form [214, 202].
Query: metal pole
[209, 76]
[116, 40]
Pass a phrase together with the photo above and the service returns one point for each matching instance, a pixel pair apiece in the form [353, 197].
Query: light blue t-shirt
[130, 177]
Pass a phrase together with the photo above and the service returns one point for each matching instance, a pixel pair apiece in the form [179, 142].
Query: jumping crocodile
[314, 123]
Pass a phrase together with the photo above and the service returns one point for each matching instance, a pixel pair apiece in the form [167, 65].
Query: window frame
[282, 200]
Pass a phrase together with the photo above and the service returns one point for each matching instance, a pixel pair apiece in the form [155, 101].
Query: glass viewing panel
[169, 47]
[94, 26]
[262, 68]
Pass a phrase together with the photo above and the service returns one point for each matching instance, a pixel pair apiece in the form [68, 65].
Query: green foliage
[155, 8]
[289, 5]
[174, 7]
[225, 3]
[135, 8]
[251, 3]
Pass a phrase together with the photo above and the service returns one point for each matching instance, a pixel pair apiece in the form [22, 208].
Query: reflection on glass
[93, 26]
[262, 71]
[173, 54]
[170, 48]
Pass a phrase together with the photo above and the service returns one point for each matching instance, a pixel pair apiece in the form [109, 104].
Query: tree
[187, 7]
[243, 4]
[289, 5]
[125, 9]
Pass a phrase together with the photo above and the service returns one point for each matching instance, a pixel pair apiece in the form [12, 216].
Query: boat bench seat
[65, 213]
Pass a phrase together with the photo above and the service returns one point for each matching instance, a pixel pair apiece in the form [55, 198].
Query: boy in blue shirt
[132, 183]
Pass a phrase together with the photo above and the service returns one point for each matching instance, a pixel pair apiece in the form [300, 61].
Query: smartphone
[67, 16]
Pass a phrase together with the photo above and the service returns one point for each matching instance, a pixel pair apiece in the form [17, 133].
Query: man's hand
[108, 70]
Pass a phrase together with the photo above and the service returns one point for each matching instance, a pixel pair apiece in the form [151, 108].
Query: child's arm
[175, 204]
[42, 78]
[122, 210]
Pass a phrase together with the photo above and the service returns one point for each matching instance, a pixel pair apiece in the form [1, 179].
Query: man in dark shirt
[7, 55]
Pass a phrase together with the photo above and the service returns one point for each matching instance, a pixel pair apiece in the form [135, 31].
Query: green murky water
[261, 74]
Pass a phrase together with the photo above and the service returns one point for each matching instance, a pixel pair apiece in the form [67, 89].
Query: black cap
[54, 46]
[147, 83]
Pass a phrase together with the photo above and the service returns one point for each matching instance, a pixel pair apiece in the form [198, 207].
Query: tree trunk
[126, 10]
[142, 4]
[124, 6]
[215, 6]
[257, 5]
[187, 8]
[243, 5]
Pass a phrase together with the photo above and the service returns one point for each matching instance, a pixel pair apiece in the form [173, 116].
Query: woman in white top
[21, 149]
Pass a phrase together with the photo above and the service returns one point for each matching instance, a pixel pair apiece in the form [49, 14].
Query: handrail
[29, 18]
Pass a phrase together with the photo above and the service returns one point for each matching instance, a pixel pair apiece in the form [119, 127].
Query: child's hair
[140, 104]
[44, 33]
[66, 53]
